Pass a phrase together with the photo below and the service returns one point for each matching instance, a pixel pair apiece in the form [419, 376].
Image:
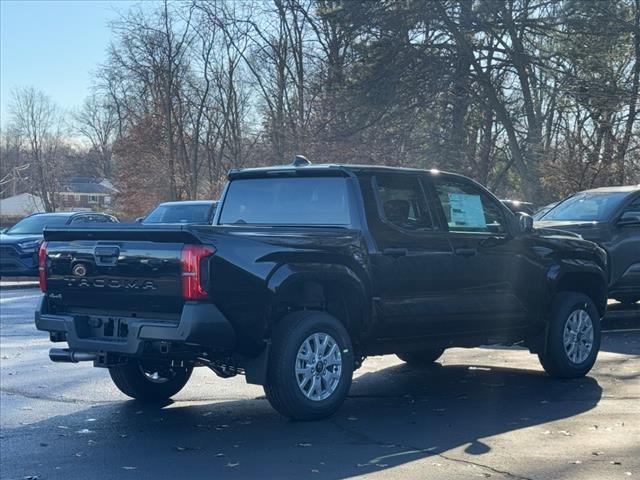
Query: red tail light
[192, 256]
[42, 267]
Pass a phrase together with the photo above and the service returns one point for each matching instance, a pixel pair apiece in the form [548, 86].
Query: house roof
[86, 185]
[21, 205]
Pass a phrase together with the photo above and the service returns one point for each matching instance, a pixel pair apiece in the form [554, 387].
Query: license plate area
[115, 329]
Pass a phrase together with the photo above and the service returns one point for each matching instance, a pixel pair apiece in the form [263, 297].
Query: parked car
[517, 206]
[611, 217]
[195, 212]
[309, 269]
[19, 244]
[542, 211]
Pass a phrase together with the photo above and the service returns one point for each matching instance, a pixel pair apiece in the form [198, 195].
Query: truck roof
[331, 169]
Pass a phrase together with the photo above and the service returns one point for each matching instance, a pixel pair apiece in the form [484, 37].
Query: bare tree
[37, 121]
[97, 122]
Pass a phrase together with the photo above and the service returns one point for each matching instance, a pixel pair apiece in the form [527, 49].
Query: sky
[54, 45]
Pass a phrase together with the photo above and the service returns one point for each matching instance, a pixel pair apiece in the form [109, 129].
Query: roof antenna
[300, 161]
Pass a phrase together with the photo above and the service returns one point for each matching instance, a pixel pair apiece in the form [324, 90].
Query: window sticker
[466, 211]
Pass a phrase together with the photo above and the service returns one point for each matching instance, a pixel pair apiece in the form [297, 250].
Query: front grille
[8, 252]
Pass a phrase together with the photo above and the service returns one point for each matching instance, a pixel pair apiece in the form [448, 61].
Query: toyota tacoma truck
[305, 271]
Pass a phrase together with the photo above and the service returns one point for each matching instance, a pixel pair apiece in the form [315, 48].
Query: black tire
[555, 360]
[282, 389]
[132, 381]
[422, 358]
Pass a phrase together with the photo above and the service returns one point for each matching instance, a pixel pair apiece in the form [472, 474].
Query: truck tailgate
[120, 270]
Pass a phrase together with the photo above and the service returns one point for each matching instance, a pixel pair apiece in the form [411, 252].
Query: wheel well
[340, 299]
[590, 284]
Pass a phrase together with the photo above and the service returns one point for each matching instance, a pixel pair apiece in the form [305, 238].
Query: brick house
[80, 193]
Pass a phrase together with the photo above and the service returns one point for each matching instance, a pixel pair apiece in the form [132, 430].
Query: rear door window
[401, 202]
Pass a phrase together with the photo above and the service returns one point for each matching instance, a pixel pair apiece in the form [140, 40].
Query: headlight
[31, 246]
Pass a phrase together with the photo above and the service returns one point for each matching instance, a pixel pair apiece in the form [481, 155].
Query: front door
[490, 271]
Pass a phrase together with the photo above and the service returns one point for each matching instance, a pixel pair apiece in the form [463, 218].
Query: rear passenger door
[489, 278]
[412, 264]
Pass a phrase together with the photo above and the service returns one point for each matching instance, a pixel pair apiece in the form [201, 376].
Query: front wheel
[149, 383]
[310, 366]
[573, 336]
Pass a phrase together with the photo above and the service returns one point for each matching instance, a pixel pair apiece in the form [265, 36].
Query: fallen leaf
[185, 449]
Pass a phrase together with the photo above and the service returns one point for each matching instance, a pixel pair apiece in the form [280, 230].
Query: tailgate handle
[106, 256]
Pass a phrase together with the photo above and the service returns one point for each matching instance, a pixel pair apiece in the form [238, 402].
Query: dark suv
[611, 217]
[305, 271]
[19, 244]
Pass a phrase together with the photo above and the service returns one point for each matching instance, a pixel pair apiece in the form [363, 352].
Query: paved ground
[487, 413]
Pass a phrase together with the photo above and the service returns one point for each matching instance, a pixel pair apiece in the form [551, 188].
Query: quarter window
[633, 208]
[467, 208]
[401, 202]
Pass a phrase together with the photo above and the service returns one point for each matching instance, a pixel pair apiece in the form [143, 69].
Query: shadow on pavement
[393, 416]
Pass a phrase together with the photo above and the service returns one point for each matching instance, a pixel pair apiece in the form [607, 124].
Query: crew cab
[306, 270]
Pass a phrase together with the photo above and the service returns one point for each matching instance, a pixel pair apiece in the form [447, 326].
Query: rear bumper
[200, 324]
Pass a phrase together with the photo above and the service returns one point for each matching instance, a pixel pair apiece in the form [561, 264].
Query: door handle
[466, 252]
[395, 252]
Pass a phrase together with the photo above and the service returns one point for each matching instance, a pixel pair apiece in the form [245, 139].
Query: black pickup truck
[306, 270]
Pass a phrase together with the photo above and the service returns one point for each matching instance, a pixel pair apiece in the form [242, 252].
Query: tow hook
[64, 355]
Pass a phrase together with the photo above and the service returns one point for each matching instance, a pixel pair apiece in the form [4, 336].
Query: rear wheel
[149, 383]
[310, 366]
[573, 338]
[422, 358]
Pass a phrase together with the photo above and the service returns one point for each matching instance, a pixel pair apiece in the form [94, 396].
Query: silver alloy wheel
[154, 376]
[578, 336]
[318, 366]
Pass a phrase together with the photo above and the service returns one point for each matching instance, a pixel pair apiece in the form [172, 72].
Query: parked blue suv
[19, 244]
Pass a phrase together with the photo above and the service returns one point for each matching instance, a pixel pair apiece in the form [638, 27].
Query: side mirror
[139, 219]
[629, 219]
[3, 230]
[525, 223]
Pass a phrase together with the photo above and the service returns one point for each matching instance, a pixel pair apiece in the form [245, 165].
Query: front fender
[583, 275]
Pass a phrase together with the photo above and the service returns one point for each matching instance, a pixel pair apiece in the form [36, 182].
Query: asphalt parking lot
[486, 412]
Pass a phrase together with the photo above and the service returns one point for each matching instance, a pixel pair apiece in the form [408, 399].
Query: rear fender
[317, 277]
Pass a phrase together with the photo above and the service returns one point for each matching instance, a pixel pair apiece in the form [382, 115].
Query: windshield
[194, 213]
[586, 206]
[287, 201]
[35, 224]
